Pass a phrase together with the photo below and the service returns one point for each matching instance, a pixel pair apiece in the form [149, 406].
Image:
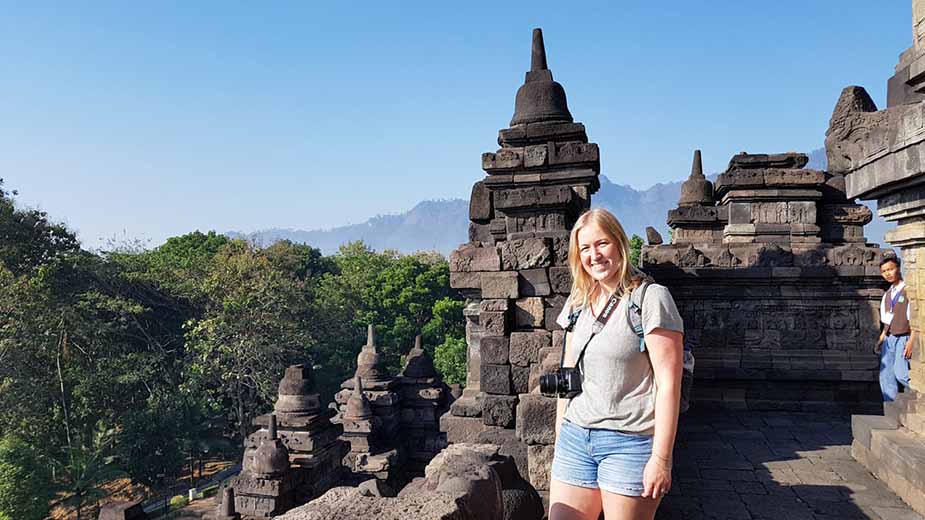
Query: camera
[564, 383]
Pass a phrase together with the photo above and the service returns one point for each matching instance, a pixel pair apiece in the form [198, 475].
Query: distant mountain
[432, 225]
[441, 225]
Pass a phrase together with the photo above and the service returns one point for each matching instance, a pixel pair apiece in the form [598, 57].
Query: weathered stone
[480, 203]
[474, 258]
[466, 280]
[560, 280]
[652, 236]
[536, 416]
[529, 312]
[480, 233]
[499, 410]
[495, 379]
[495, 350]
[520, 379]
[533, 197]
[528, 253]
[493, 323]
[533, 282]
[539, 459]
[525, 346]
[696, 190]
[493, 305]
[499, 285]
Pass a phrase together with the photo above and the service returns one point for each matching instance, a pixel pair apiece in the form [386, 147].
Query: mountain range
[441, 225]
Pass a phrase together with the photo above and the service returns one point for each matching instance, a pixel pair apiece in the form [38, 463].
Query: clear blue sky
[148, 121]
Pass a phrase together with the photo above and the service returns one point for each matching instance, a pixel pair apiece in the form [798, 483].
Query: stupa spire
[538, 57]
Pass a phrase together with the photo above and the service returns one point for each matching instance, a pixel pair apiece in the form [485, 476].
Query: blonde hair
[582, 283]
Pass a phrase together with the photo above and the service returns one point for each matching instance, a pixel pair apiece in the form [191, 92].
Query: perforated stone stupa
[777, 286]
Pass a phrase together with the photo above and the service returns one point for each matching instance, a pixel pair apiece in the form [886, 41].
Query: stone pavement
[780, 465]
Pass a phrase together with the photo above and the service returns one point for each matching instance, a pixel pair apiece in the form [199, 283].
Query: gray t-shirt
[618, 385]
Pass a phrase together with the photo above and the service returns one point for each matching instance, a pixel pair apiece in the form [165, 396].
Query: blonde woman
[614, 440]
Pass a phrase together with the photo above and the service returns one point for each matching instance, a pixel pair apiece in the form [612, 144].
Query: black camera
[564, 383]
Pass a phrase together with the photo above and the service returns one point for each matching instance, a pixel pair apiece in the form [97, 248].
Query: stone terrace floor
[785, 466]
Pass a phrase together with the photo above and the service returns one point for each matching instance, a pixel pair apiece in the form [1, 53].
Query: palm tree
[84, 467]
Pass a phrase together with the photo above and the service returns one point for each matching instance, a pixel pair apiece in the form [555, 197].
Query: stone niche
[881, 154]
[514, 271]
[777, 286]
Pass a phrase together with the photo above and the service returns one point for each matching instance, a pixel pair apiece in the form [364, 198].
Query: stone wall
[514, 271]
[882, 155]
[776, 284]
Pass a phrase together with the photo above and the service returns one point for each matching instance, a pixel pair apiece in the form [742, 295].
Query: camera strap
[596, 327]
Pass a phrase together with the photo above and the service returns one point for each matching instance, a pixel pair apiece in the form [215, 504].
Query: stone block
[573, 152]
[503, 159]
[740, 213]
[470, 257]
[493, 323]
[560, 248]
[499, 285]
[523, 226]
[528, 253]
[494, 305]
[560, 280]
[554, 307]
[535, 156]
[536, 417]
[520, 380]
[462, 429]
[525, 346]
[495, 379]
[529, 312]
[539, 464]
[533, 197]
[466, 280]
[480, 203]
[499, 410]
[861, 426]
[480, 233]
[494, 350]
[533, 282]
[802, 212]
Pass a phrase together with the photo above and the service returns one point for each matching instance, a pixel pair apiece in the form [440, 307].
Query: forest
[139, 363]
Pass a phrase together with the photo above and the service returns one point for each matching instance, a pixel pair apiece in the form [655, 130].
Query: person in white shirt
[897, 337]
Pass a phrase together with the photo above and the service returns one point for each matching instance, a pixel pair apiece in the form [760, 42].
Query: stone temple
[881, 154]
[777, 286]
[769, 266]
[514, 271]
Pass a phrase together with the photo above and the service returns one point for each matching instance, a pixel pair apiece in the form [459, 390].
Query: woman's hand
[656, 478]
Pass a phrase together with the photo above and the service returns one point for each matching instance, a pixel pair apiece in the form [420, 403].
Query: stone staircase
[892, 446]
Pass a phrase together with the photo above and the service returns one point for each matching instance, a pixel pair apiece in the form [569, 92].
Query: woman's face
[600, 255]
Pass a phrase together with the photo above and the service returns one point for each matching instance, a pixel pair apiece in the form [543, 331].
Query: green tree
[254, 325]
[636, 249]
[24, 482]
[450, 360]
[84, 467]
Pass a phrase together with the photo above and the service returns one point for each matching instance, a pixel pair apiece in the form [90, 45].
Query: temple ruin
[514, 270]
[777, 286]
[882, 157]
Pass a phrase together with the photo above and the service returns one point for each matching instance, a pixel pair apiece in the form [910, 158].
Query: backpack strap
[572, 319]
[635, 312]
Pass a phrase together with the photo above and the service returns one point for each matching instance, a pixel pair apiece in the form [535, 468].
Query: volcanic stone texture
[514, 269]
[777, 287]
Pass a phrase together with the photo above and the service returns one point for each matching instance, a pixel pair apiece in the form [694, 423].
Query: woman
[614, 440]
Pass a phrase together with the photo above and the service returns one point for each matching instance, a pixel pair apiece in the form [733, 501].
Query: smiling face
[600, 255]
[890, 272]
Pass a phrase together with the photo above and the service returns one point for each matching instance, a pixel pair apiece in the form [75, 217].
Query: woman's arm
[666, 351]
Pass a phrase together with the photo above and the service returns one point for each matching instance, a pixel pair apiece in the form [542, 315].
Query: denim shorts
[604, 459]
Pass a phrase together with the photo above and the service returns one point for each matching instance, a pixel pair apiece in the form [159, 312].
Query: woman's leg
[568, 502]
[621, 507]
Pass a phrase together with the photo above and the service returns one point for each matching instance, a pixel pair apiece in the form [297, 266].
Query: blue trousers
[894, 367]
